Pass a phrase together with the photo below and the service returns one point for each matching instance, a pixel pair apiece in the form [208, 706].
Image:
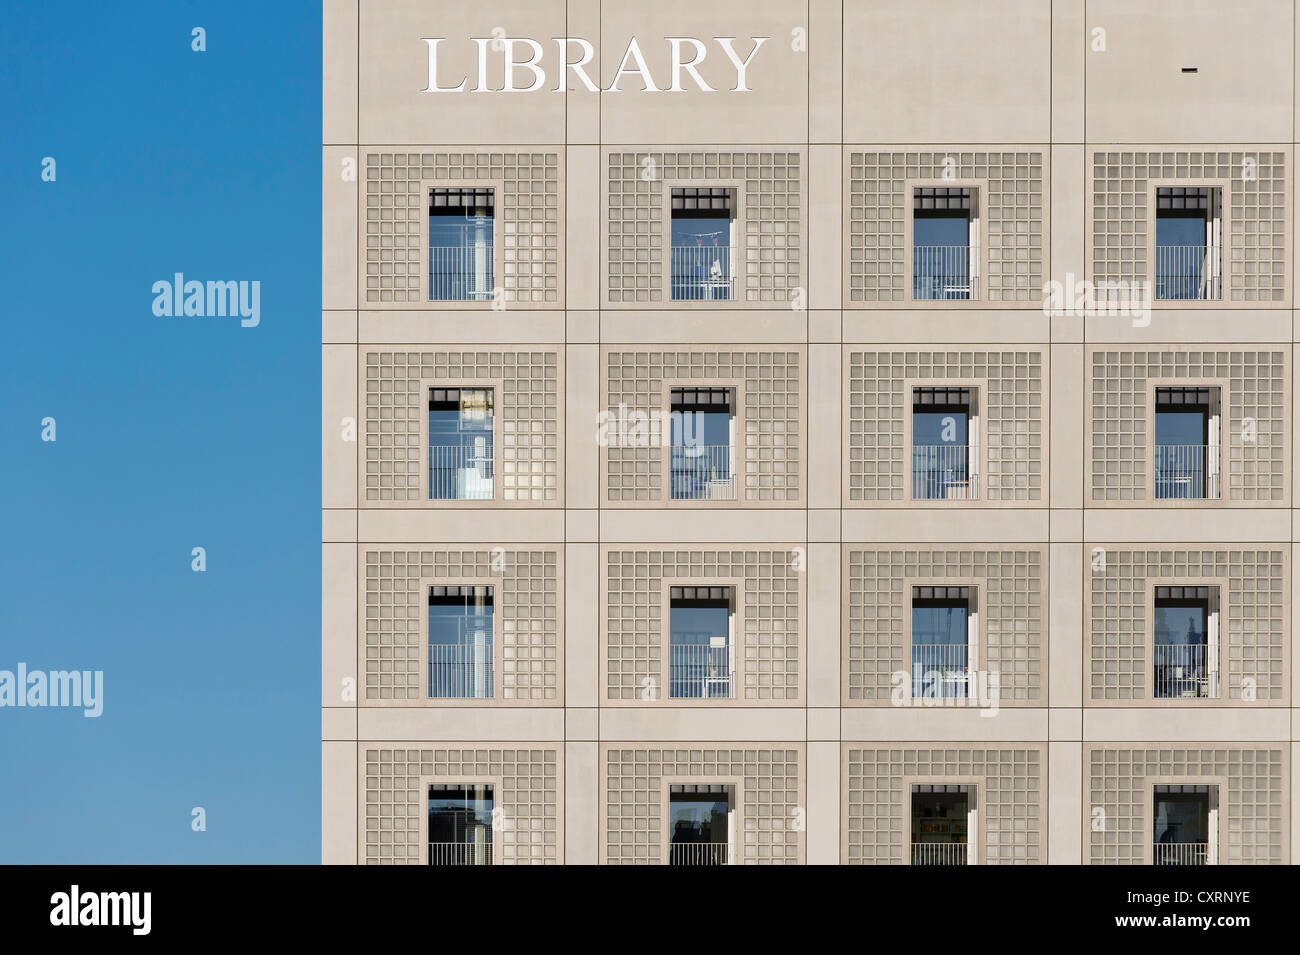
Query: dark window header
[941, 199]
[461, 202]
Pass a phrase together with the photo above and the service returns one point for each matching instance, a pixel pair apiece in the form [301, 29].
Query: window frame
[1151, 387]
[1217, 586]
[495, 782]
[735, 840]
[497, 185]
[1156, 183]
[739, 244]
[497, 387]
[738, 471]
[976, 424]
[1219, 850]
[738, 641]
[498, 652]
[979, 261]
[974, 835]
[976, 641]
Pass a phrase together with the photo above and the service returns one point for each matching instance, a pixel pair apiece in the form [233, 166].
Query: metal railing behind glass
[938, 853]
[700, 671]
[1188, 273]
[461, 472]
[943, 472]
[1183, 471]
[1180, 853]
[460, 671]
[939, 670]
[461, 273]
[943, 272]
[697, 853]
[460, 853]
[1183, 670]
[701, 472]
[703, 273]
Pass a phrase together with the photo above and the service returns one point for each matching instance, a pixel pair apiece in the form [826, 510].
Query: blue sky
[172, 433]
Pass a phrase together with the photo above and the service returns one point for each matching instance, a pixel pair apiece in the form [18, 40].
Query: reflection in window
[1186, 461]
[703, 435]
[461, 225]
[460, 444]
[703, 246]
[460, 642]
[943, 440]
[460, 824]
[941, 618]
[702, 643]
[700, 824]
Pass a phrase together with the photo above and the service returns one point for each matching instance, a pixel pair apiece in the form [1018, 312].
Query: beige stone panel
[929, 326]
[339, 419]
[338, 803]
[1068, 53]
[775, 109]
[1065, 658]
[823, 525]
[541, 526]
[481, 723]
[1228, 326]
[1065, 725]
[582, 328]
[581, 723]
[1195, 525]
[339, 226]
[1137, 92]
[945, 525]
[338, 723]
[825, 325]
[581, 625]
[759, 326]
[582, 803]
[338, 328]
[1066, 465]
[339, 71]
[823, 817]
[581, 237]
[1185, 724]
[824, 425]
[1069, 198]
[699, 724]
[701, 526]
[824, 723]
[1065, 525]
[395, 327]
[904, 83]
[825, 71]
[395, 71]
[338, 526]
[940, 723]
[1064, 803]
[826, 223]
[582, 526]
[824, 576]
[338, 624]
[581, 407]
[582, 106]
